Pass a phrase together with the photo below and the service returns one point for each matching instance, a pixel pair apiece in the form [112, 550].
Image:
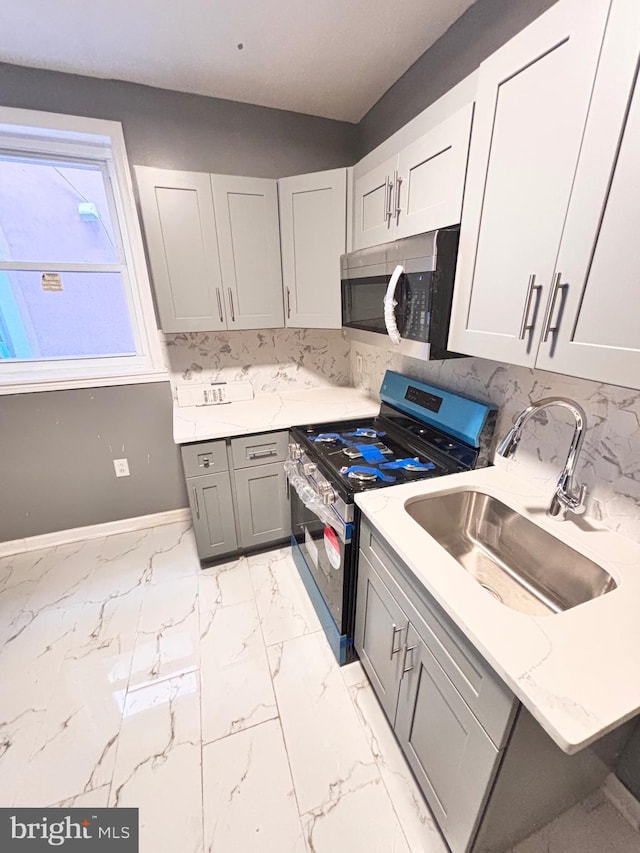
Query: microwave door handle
[390, 304]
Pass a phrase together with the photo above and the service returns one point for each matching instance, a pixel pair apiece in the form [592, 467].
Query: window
[75, 303]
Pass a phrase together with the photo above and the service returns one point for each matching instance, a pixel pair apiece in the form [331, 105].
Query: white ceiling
[331, 58]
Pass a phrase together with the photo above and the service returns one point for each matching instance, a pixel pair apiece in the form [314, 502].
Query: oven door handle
[314, 503]
[390, 304]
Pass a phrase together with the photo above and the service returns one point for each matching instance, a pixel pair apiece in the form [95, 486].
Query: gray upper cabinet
[313, 212]
[249, 239]
[417, 190]
[592, 328]
[531, 109]
[372, 204]
[180, 229]
[214, 249]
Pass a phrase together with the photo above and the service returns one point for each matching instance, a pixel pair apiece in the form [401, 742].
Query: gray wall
[483, 28]
[56, 466]
[55, 462]
[173, 130]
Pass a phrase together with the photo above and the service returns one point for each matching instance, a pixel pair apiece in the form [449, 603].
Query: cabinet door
[533, 97]
[249, 238]
[313, 210]
[432, 173]
[452, 757]
[594, 331]
[213, 518]
[380, 630]
[372, 203]
[180, 229]
[263, 504]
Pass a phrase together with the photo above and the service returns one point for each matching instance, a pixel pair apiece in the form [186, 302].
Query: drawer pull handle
[288, 304]
[395, 651]
[260, 454]
[406, 668]
[220, 314]
[195, 500]
[233, 313]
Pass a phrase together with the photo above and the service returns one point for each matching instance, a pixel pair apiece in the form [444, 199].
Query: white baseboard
[622, 800]
[93, 531]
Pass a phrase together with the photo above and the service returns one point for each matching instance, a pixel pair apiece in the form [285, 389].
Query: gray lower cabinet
[237, 493]
[488, 771]
[451, 755]
[438, 694]
[263, 504]
[380, 633]
[213, 517]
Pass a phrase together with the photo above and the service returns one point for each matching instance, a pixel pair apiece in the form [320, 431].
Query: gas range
[420, 432]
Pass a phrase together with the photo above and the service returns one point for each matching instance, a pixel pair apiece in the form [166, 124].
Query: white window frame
[100, 141]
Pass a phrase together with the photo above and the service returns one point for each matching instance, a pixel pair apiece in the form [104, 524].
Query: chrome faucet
[568, 497]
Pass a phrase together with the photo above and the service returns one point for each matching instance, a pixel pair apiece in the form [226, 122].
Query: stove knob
[295, 451]
[326, 492]
[309, 468]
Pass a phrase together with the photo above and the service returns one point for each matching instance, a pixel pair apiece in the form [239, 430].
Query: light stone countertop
[577, 672]
[266, 412]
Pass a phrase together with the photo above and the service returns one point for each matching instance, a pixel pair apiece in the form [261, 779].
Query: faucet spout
[568, 496]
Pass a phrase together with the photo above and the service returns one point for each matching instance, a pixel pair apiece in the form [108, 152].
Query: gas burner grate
[362, 476]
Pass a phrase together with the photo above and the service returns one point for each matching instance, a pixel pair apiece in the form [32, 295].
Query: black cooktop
[374, 452]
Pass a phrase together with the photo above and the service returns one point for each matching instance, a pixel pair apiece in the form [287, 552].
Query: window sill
[20, 386]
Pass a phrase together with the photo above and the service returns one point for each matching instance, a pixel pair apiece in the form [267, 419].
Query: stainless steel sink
[516, 561]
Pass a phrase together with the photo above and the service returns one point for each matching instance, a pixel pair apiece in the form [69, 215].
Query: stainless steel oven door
[326, 550]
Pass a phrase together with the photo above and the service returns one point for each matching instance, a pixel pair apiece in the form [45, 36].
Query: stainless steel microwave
[399, 294]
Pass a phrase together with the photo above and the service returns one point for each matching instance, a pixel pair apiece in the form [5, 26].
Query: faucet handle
[569, 501]
[580, 507]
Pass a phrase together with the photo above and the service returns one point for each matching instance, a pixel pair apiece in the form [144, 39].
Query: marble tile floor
[208, 699]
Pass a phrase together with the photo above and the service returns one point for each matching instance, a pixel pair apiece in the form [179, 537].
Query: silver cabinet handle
[390, 207]
[260, 454]
[397, 180]
[288, 303]
[394, 651]
[527, 325]
[221, 315]
[195, 500]
[233, 313]
[406, 668]
[387, 190]
[548, 328]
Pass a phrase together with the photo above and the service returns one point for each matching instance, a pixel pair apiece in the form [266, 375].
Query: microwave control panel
[416, 307]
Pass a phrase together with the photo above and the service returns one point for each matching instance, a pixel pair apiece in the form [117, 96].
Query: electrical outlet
[122, 467]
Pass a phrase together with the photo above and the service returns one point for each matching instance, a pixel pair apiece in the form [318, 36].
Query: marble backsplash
[609, 464]
[272, 359]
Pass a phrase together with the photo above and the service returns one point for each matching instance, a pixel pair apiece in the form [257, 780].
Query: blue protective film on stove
[366, 431]
[412, 464]
[334, 435]
[364, 470]
[370, 453]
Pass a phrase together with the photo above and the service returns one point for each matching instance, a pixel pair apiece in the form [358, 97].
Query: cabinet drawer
[251, 450]
[483, 691]
[207, 457]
